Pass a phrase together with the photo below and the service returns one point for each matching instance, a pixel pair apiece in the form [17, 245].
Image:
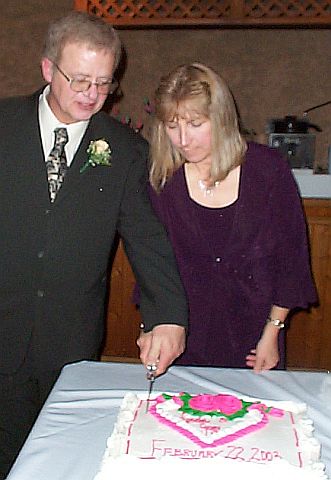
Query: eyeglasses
[104, 87]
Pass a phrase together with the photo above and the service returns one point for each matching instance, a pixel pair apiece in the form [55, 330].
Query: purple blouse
[217, 222]
[234, 267]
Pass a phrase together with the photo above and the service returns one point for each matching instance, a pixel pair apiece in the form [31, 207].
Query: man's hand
[161, 346]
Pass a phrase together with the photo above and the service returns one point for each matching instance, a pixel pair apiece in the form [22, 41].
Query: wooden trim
[316, 207]
[236, 13]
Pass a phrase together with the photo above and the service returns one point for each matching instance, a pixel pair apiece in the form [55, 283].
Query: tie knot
[61, 136]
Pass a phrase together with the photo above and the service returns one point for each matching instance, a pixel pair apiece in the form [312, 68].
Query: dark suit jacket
[54, 257]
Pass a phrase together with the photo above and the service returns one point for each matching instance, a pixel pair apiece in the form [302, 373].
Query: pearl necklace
[207, 190]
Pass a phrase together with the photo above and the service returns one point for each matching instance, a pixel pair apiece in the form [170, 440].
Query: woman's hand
[266, 355]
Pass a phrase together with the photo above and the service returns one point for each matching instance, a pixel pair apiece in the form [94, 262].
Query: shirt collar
[48, 122]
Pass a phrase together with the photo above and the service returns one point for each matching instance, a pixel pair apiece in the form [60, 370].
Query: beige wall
[272, 72]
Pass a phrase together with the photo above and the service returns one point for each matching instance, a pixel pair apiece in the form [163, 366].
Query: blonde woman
[234, 217]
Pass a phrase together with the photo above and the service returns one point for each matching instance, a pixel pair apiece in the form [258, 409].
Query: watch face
[279, 324]
[276, 322]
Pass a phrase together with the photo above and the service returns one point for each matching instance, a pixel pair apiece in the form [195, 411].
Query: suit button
[40, 293]
[41, 254]
[47, 212]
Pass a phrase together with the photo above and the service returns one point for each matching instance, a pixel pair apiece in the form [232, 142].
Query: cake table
[69, 437]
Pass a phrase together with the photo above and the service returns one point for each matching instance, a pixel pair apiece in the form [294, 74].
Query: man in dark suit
[71, 177]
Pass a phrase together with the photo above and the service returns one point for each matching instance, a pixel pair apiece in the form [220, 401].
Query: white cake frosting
[271, 438]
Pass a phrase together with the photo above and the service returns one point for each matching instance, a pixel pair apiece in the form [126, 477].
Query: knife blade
[150, 378]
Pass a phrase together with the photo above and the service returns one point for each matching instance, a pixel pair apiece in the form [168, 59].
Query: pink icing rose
[226, 404]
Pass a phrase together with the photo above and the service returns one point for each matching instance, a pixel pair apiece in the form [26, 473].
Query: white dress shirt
[47, 124]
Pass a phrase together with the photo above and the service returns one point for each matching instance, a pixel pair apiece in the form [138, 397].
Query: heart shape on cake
[211, 420]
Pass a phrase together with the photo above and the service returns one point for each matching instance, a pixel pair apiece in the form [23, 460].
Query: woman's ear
[47, 69]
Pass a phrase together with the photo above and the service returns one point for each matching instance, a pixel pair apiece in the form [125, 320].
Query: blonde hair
[80, 27]
[209, 95]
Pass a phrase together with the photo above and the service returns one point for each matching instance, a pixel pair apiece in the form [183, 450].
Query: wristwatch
[276, 322]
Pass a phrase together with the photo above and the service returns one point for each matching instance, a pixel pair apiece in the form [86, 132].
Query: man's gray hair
[80, 27]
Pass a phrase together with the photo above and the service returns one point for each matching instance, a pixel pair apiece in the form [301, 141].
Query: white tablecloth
[69, 437]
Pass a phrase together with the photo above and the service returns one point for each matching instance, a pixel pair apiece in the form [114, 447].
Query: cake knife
[150, 377]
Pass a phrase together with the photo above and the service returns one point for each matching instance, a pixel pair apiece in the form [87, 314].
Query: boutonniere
[99, 153]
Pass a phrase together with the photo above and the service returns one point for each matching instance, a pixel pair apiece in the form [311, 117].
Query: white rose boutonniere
[99, 153]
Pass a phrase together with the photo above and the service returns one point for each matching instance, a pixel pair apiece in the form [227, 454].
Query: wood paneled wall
[309, 335]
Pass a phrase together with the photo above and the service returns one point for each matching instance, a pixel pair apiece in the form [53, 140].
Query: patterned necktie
[56, 163]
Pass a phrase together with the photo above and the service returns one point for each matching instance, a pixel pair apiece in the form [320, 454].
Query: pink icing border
[131, 426]
[215, 443]
[296, 437]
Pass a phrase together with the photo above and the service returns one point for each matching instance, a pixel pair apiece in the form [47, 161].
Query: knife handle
[150, 376]
[150, 371]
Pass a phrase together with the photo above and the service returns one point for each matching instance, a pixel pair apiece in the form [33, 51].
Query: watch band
[276, 322]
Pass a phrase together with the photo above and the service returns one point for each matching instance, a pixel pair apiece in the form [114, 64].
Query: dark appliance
[290, 135]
